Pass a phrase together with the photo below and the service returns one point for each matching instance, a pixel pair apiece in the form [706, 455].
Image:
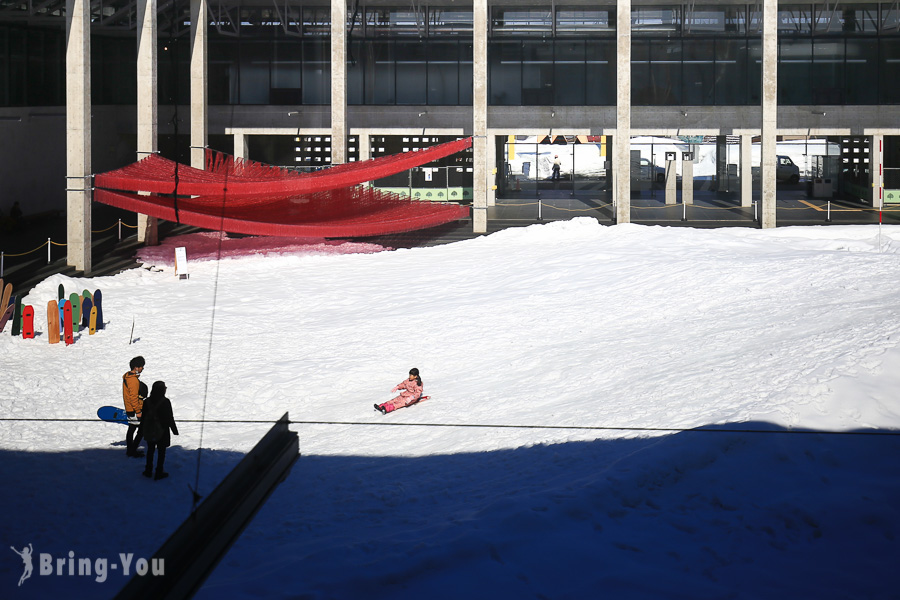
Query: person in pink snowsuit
[410, 392]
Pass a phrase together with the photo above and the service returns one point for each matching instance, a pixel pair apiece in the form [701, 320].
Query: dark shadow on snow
[698, 514]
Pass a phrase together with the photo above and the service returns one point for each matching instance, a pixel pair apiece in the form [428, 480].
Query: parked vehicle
[786, 170]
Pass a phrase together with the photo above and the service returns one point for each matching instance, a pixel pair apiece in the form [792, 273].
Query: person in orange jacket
[133, 393]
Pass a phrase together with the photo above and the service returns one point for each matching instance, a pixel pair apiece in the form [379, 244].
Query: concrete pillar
[479, 116]
[147, 103]
[687, 180]
[199, 103]
[671, 180]
[768, 160]
[338, 82]
[240, 145]
[622, 138]
[491, 169]
[746, 170]
[365, 145]
[78, 135]
[876, 168]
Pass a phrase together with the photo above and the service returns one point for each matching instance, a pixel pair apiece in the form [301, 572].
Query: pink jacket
[410, 390]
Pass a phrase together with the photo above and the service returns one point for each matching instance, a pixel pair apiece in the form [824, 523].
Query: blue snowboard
[98, 302]
[112, 414]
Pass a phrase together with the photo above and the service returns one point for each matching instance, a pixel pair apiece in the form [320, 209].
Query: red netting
[350, 212]
[243, 196]
[245, 177]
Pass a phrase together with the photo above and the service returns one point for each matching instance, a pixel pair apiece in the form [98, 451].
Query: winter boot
[380, 409]
[147, 473]
[160, 475]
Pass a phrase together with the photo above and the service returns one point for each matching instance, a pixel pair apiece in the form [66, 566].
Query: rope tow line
[888, 433]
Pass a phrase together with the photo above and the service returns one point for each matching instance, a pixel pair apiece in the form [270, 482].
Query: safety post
[540, 204]
[828, 213]
[48, 250]
[755, 217]
[120, 230]
[683, 211]
[1, 263]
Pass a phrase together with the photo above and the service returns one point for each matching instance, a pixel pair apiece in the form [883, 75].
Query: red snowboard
[67, 323]
[28, 322]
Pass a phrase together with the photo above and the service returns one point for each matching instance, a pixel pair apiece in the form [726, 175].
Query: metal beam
[191, 554]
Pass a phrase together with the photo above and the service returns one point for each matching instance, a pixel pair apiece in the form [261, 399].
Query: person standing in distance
[133, 394]
[157, 422]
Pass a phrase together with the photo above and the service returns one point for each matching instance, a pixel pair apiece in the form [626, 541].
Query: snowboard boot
[160, 475]
[380, 409]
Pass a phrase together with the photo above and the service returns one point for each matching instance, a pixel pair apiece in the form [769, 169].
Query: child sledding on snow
[410, 393]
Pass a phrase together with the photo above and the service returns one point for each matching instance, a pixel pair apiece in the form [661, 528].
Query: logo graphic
[26, 558]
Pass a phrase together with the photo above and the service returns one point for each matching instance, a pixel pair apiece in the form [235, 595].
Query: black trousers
[151, 446]
[131, 441]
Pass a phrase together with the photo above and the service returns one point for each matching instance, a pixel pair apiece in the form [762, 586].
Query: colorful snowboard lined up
[65, 317]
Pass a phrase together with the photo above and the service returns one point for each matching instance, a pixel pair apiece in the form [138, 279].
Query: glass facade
[682, 54]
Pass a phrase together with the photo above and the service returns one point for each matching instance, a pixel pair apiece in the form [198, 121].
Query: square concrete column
[147, 103]
[479, 116]
[687, 179]
[199, 103]
[768, 160]
[671, 179]
[622, 137]
[746, 170]
[338, 82]
[78, 134]
[240, 145]
[876, 167]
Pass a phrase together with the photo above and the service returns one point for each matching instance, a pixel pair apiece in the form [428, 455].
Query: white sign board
[181, 264]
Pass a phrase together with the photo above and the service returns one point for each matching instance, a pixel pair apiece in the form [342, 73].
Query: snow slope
[646, 329]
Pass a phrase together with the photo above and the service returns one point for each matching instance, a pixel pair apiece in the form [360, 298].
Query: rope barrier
[27, 253]
[7, 254]
[887, 433]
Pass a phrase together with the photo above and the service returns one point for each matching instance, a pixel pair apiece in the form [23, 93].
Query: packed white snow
[627, 334]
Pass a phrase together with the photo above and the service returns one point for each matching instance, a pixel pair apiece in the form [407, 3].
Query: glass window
[287, 73]
[4, 67]
[380, 72]
[393, 22]
[731, 72]
[715, 19]
[794, 62]
[585, 20]
[521, 21]
[17, 71]
[656, 19]
[505, 62]
[794, 18]
[828, 66]
[862, 71]
[222, 71]
[640, 73]
[254, 74]
[356, 72]
[754, 65]
[890, 18]
[847, 18]
[665, 72]
[600, 88]
[537, 73]
[569, 79]
[465, 73]
[699, 73]
[889, 71]
[317, 20]
[446, 21]
[411, 73]
[316, 72]
[443, 73]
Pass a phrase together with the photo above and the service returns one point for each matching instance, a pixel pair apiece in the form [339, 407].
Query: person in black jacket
[157, 420]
